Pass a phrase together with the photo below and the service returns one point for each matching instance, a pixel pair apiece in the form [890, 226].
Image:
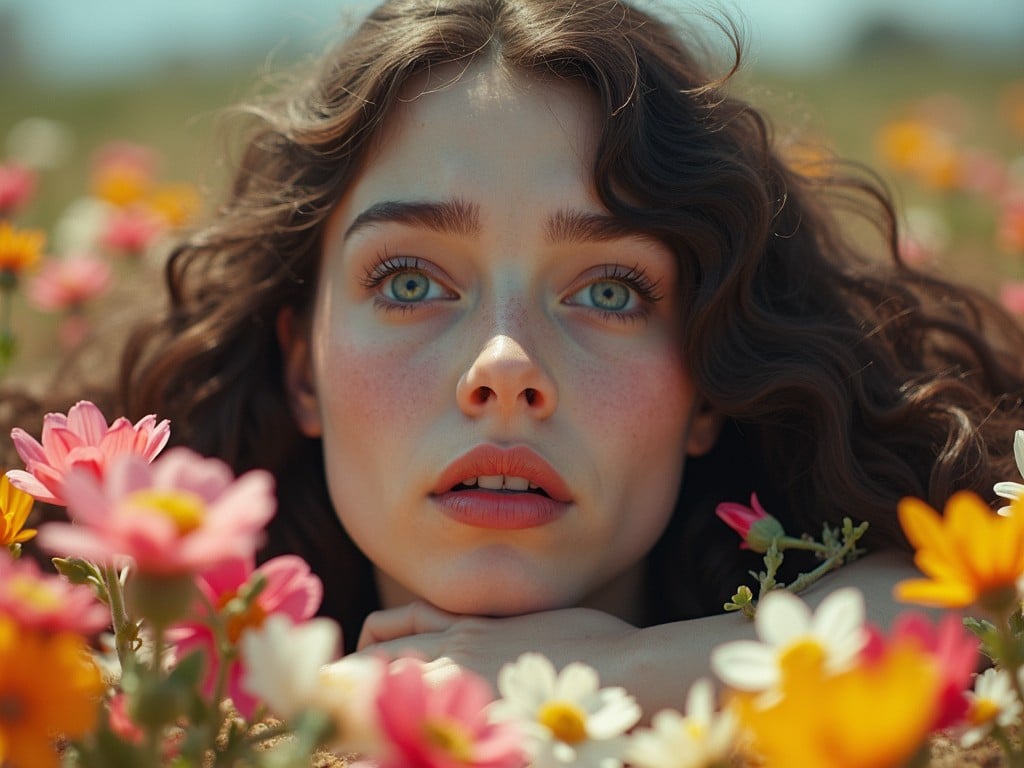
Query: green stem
[772, 562]
[125, 632]
[791, 542]
[805, 580]
[154, 736]
[8, 281]
[1010, 661]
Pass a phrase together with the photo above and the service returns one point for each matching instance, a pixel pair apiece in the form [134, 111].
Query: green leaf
[79, 571]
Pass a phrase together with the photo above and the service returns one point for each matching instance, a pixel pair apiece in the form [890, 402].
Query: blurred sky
[90, 39]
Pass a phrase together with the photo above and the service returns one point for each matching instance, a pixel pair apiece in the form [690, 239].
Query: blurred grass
[177, 112]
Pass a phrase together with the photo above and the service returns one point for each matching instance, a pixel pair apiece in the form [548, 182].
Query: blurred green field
[178, 114]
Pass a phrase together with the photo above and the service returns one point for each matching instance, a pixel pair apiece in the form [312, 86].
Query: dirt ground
[945, 753]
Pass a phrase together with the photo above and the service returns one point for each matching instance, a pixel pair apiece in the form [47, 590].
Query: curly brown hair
[846, 378]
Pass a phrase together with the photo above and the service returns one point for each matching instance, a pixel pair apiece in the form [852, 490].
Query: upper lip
[519, 461]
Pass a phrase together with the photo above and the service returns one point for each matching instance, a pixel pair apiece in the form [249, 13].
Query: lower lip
[502, 511]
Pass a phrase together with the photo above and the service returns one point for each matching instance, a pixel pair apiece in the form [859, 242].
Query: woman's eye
[607, 295]
[410, 286]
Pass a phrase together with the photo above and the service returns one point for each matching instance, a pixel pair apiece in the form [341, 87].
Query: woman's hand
[484, 645]
[655, 664]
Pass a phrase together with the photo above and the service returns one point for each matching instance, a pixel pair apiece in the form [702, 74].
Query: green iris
[410, 286]
[610, 295]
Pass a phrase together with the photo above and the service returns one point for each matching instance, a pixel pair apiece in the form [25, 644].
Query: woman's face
[493, 363]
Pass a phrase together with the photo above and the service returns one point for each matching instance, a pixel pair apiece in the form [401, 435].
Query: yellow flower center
[694, 730]
[565, 720]
[983, 711]
[450, 737]
[185, 510]
[34, 592]
[801, 658]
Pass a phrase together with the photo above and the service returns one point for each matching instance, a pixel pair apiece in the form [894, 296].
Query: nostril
[531, 395]
[482, 394]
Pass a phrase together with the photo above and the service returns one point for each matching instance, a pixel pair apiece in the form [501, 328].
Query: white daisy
[699, 739]
[567, 718]
[283, 660]
[992, 702]
[1010, 490]
[789, 633]
[348, 693]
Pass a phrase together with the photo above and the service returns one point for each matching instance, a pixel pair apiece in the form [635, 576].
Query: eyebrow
[459, 217]
[568, 225]
[455, 217]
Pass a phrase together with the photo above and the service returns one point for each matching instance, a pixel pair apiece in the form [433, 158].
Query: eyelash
[635, 278]
[385, 267]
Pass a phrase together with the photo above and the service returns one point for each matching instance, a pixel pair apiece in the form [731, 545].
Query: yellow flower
[970, 556]
[121, 184]
[875, 715]
[921, 149]
[176, 204]
[19, 248]
[49, 685]
[14, 508]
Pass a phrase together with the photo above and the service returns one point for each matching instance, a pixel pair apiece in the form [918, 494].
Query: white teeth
[499, 482]
[491, 482]
[516, 483]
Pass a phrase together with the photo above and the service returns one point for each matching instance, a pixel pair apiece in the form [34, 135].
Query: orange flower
[176, 204]
[923, 150]
[19, 248]
[878, 714]
[123, 173]
[49, 686]
[970, 556]
[14, 508]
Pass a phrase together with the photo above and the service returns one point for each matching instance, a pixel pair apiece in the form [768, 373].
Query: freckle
[514, 313]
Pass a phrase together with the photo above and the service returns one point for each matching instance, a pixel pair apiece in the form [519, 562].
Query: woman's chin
[498, 601]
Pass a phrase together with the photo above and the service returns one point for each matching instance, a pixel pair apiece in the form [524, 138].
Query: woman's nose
[504, 379]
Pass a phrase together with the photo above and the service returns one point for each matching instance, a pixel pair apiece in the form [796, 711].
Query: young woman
[510, 294]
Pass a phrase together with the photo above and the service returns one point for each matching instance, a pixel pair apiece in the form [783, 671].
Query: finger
[416, 618]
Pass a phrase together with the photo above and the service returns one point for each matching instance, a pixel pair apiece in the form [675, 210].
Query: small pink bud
[756, 527]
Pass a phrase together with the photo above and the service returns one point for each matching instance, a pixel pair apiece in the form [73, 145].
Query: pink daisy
[181, 514]
[132, 230]
[63, 284]
[290, 589]
[81, 439]
[17, 184]
[444, 725]
[48, 602]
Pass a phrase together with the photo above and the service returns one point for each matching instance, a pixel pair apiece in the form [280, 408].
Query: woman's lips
[502, 488]
[500, 510]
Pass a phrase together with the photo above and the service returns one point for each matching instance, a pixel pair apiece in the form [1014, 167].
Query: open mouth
[500, 484]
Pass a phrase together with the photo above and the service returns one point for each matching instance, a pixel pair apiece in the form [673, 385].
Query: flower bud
[757, 528]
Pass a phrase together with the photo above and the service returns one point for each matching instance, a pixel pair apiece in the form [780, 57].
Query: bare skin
[655, 664]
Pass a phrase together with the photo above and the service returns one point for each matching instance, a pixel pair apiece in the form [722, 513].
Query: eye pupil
[410, 286]
[609, 295]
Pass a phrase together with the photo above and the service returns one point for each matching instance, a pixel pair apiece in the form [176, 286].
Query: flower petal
[781, 617]
[746, 665]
